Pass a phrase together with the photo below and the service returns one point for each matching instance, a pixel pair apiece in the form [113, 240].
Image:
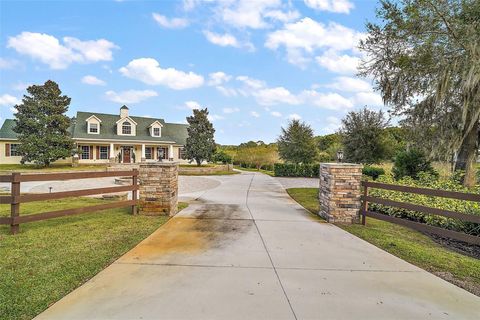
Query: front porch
[127, 153]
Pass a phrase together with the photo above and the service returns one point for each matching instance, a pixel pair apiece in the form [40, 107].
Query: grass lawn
[7, 168]
[407, 244]
[270, 173]
[50, 258]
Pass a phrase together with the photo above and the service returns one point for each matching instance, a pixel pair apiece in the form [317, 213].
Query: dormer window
[93, 124]
[156, 129]
[156, 132]
[126, 128]
[93, 128]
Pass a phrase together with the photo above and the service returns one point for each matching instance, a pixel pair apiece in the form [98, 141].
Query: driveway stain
[208, 227]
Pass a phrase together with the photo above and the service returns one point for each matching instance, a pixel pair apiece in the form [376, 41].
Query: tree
[363, 137]
[296, 143]
[200, 144]
[42, 126]
[424, 57]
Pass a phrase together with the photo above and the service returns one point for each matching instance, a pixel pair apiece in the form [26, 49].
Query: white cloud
[333, 124]
[148, 71]
[49, 50]
[283, 16]
[332, 101]
[278, 95]
[92, 80]
[21, 86]
[344, 64]
[368, 99]
[8, 63]
[302, 38]
[130, 96]
[349, 84]
[228, 92]
[192, 105]
[255, 114]
[218, 78]
[223, 40]
[13, 110]
[251, 83]
[215, 117]
[172, 23]
[247, 13]
[294, 116]
[338, 6]
[276, 114]
[8, 100]
[230, 110]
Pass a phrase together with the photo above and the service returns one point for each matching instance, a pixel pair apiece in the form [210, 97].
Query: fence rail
[16, 198]
[419, 208]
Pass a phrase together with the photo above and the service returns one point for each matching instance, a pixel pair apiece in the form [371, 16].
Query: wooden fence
[16, 198]
[414, 207]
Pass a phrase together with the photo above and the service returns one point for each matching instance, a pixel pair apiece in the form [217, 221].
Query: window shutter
[108, 152]
[98, 152]
[7, 149]
[91, 152]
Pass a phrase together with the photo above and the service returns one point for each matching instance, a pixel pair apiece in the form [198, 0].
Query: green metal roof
[171, 132]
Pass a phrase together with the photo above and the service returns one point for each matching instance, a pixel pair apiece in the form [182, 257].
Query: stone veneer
[158, 188]
[339, 192]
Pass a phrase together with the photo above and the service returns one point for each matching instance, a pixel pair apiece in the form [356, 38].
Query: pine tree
[200, 144]
[42, 126]
[296, 144]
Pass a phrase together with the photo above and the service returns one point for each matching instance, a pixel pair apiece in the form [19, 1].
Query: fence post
[134, 192]
[15, 206]
[364, 205]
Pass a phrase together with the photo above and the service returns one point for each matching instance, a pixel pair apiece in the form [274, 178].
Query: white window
[126, 128]
[148, 153]
[156, 132]
[93, 128]
[14, 150]
[103, 152]
[85, 152]
[181, 153]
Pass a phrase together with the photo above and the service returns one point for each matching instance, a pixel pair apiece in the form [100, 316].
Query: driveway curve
[246, 250]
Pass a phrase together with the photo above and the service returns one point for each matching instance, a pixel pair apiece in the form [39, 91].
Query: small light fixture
[340, 155]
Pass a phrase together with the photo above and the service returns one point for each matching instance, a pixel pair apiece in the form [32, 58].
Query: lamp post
[340, 155]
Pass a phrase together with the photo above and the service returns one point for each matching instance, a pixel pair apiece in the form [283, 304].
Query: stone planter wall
[193, 169]
[158, 188]
[339, 192]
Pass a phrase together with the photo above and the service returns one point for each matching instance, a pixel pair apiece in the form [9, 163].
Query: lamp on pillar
[340, 155]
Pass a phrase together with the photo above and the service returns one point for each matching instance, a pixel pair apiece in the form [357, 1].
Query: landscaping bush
[425, 180]
[296, 170]
[373, 172]
[222, 156]
[410, 163]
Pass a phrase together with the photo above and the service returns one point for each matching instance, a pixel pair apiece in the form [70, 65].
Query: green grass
[6, 168]
[407, 244]
[50, 258]
[270, 173]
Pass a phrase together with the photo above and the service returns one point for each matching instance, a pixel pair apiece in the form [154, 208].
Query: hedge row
[296, 170]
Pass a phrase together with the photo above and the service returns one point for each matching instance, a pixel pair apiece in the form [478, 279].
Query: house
[109, 138]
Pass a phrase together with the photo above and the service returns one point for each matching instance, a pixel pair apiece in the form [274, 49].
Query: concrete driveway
[245, 250]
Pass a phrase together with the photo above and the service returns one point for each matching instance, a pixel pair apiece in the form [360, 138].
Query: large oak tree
[424, 56]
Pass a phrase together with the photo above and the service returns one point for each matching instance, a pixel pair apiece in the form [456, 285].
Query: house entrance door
[126, 155]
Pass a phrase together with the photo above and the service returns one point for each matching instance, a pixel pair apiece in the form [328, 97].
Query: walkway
[245, 250]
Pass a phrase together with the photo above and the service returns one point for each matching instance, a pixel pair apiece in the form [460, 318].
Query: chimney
[123, 111]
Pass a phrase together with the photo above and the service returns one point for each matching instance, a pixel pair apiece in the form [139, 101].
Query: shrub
[296, 170]
[426, 180]
[373, 172]
[222, 156]
[410, 163]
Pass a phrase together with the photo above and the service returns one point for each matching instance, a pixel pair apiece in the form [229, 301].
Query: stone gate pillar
[339, 192]
[158, 188]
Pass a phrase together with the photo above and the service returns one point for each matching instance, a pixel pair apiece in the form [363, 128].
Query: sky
[254, 64]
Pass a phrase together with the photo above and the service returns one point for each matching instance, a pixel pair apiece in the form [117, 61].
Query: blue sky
[254, 64]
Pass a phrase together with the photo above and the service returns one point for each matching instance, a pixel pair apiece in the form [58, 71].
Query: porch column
[144, 158]
[170, 152]
[112, 153]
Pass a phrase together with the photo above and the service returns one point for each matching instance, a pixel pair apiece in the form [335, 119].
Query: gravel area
[298, 182]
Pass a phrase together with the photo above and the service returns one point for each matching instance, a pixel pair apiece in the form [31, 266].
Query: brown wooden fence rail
[414, 207]
[16, 198]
